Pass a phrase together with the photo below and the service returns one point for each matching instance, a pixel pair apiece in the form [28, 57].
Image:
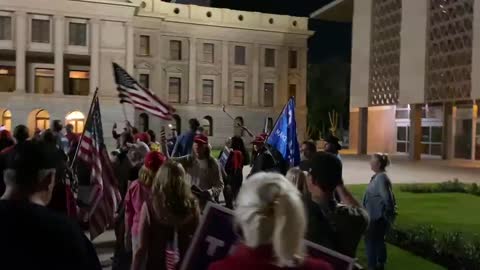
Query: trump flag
[284, 135]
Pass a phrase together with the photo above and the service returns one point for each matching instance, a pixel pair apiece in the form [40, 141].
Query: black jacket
[263, 162]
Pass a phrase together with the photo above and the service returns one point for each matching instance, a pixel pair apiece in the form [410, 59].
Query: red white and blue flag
[130, 91]
[105, 196]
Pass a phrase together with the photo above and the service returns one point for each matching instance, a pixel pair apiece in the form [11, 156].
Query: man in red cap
[203, 170]
[264, 160]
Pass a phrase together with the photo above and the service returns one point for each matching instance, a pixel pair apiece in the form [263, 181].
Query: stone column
[283, 71]
[255, 75]
[192, 71]
[21, 47]
[301, 99]
[447, 131]
[415, 151]
[130, 49]
[59, 36]
[94, 54]
[361, 43]
[412, 55]
[474, 130]
[225, 75]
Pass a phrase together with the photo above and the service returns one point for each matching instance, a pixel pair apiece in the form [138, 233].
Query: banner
[215, 239]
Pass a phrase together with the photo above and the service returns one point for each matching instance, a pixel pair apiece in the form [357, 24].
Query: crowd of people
[164, 193]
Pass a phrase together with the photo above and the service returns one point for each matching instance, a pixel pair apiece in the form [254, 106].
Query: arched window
[177, 124]
[42, 120]
[207, 124]
[268, 125]
[237, 127]
[143, 122]
[77, 120]
[6, 120]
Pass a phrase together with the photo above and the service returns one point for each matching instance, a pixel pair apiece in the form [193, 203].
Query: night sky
[331, 40]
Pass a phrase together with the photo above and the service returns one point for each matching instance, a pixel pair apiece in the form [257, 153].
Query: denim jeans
[375, 244]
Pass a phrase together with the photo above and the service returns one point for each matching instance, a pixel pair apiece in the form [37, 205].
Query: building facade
[53, 56]
[414, 76]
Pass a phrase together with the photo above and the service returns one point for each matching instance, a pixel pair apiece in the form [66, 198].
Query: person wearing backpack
[379, 201]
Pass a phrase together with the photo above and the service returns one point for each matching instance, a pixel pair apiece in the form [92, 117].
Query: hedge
[445, 187]
[451, 250]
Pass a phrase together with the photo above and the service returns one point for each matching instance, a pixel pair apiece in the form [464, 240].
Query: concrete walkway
[356, 170]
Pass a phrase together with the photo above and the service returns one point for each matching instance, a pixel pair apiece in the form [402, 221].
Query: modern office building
[415, 76]
[54, 54]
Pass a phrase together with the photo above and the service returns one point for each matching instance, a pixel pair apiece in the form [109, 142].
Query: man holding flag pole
[278, 150]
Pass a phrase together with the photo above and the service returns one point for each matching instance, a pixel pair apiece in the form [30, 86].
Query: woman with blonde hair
[172, 213]
[271, 216]
[299, 179]
[138, 193]
[380, 203]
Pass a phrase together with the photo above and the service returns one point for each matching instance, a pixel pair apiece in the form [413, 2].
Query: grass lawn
[216, 152]
[399, 259]
[446, 212]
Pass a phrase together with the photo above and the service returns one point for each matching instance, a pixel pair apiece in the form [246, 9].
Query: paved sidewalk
[356, 170]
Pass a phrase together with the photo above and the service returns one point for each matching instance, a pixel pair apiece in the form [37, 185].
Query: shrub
[450, 250]
[444, 187]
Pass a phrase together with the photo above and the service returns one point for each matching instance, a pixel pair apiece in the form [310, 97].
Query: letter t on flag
[284, 135]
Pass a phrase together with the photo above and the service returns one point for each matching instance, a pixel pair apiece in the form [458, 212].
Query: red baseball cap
[143, 137]
[153, 160]
[200, 138]
[261, 138]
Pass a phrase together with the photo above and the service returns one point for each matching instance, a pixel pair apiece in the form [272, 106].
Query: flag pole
[124, 112]
[83, 132]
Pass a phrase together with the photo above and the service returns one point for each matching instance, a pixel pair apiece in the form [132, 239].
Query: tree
[328, 90]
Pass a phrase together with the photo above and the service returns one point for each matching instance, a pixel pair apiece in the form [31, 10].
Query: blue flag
[284, 135]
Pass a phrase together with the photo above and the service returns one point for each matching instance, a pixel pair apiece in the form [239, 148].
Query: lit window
[78, 83]
[6, 120]
[40, 31]
[77, 34]
[144, 45]
[174, 86]
[5, 28]
[238, 93]
[207, 92]
[240, 52]
[7, 79]
[42, 120]
[44, 80]
[269, 57]
[268, 95]
[208, 53]
[175, 50]
[77, 120]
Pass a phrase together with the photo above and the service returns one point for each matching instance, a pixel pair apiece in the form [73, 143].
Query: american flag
[105, 196]
[130, 91]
